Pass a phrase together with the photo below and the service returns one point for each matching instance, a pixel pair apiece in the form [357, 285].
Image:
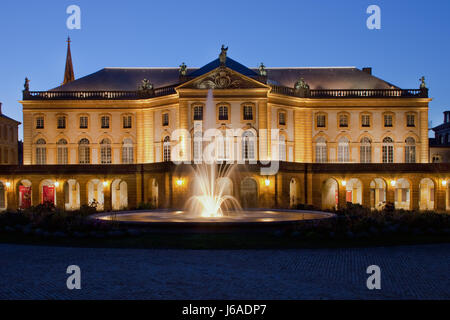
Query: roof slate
[128, 79]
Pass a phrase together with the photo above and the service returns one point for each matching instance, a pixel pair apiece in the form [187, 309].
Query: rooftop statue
[223, 55]
[423, 85]
[146, 85]
[262, 70]
[183, 69]
[301, 84]
[26, 86]
[301, 88]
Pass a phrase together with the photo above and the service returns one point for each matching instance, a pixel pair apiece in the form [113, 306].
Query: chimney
[446, 116]
[0, 108]
[367, 70]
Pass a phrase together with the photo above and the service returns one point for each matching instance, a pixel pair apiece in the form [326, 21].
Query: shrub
[145, 206]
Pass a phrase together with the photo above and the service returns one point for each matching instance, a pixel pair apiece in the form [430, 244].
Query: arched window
[388, 150]
[105, 151]
[410, 150]
[248, 146]
[365, 151]
[282, 148]
[62, 151]
[127, 151]
[84, 152]
[343, 150]
[41, 152]
[166, 149]
[321, 150]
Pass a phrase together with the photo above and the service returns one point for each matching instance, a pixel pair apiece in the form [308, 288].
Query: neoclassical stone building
[340, 133]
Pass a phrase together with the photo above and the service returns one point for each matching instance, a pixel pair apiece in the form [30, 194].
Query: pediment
[223, 78]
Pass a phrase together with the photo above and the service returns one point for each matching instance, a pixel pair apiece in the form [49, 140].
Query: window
[198, 113]
[365, 151]
[365, 121]
[62, 151]
[61, 122]
[165, 119]
[282, 148]
[105, 122]
[127, 122]
[321, 121]
[282, 118]
[343, 121]
[166, 149]
[41, 152]
[6, 155]
[321, 150]
[40, 122]
[223, 113]
[343, 150]
[388, 120]
[410, 120]
[248, 146]
[84, 152]
[410, 150]
[127, 151]
[83, 122]
[105, 151]
[248, 113]
[388, 150]
[436, 159]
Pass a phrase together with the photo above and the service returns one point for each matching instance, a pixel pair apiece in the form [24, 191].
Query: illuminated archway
[71, 195]
[427, 188]
[378, 189]
[402, 194]
[330, 194]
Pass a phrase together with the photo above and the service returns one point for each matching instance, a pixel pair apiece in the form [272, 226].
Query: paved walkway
[38, 272]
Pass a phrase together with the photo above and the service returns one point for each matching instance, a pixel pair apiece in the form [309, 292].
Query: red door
[25, 197]
[48, 194]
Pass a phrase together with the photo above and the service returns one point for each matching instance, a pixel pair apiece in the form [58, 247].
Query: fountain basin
[255, 219]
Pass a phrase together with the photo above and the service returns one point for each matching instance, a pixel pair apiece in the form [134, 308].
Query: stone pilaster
[263, 133]
[424, 137]
[27, 137]
[148, 137]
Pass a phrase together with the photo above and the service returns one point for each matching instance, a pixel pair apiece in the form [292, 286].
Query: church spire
[68, 73]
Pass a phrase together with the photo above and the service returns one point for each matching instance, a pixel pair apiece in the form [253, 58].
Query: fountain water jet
[210, 199]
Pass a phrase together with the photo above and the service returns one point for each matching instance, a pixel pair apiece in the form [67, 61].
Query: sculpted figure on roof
[223, 55]
[183, 69]
[262, 70]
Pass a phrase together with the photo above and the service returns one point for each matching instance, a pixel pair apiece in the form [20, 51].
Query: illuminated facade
[341, 134]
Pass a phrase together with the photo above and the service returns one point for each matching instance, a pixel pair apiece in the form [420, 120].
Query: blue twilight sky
[413, 40]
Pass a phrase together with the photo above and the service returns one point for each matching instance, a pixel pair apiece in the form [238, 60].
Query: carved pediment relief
[223, 78]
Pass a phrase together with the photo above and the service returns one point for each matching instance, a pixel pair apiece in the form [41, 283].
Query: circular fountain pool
[257, 217]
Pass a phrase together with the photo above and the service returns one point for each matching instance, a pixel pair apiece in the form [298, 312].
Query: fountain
[211, 203]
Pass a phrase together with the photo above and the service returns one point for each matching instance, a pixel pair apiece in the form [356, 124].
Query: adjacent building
[440, 144]
[9, 129]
